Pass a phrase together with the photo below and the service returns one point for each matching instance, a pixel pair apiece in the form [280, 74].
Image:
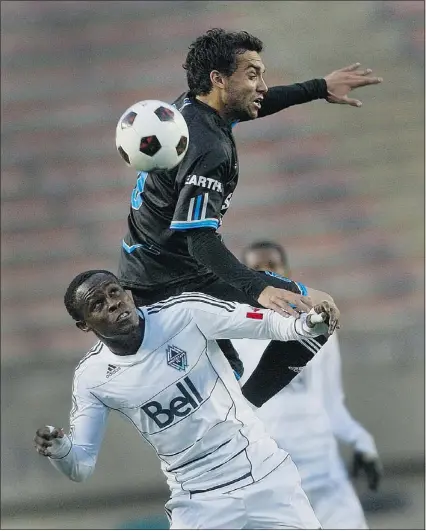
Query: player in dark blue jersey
[172, 244]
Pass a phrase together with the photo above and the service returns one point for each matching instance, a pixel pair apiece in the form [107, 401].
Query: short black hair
[69, 297]
[217, 49]
[266, 244]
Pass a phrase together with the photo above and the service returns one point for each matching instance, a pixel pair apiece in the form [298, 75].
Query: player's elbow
[82, 468]
[198, 240]
[78, 478]
[81, 473]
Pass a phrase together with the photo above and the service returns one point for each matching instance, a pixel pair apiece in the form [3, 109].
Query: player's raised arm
[75, 454]
[281, 97]
[219, 319]
[334, 88]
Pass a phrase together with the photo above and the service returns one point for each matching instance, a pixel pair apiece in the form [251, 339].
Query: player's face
[107, 309]
[266, 260]
[245, 89]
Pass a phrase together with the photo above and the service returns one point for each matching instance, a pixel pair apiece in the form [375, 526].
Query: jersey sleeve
[284, 96]
[201, 183]
[218, 319]
[75, 455]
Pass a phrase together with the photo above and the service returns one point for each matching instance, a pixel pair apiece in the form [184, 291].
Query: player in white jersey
[160, 367]
[309, 415]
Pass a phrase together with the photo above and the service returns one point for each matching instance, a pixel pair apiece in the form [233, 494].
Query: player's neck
[213, 101]
[127, 344]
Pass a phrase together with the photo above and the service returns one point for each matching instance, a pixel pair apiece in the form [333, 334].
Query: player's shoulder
[182, 102]
[175, 306]
[203, 123]
[187, 303]
[164, 319]
[206, 146]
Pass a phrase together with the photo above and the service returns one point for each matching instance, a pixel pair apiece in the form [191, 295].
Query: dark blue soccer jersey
[166, 204]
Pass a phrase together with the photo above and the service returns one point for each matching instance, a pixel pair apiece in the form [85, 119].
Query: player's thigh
[337, 506]
[219, 511]
[278, 501]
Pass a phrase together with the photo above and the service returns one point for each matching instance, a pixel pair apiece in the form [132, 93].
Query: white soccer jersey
[308, 414]
[180, 393]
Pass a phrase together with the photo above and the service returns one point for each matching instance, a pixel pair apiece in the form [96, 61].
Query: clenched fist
[371, 465]
[324, 312]
[44, 437]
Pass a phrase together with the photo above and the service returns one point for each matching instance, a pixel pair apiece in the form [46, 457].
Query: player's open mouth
[258, 103]
[123, 316]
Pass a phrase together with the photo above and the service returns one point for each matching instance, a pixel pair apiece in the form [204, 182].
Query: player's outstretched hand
[284, 302]
[341, 82]
[44, 437]
[328, 313]
[372, 467]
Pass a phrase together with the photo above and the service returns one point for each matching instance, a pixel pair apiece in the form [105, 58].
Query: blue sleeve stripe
[183, 225]
[197, 208]
[302, 287]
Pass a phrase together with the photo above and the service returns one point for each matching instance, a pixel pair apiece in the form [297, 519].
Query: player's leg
[278, 501]
[280, 363]
[337, 506]
[206, 511]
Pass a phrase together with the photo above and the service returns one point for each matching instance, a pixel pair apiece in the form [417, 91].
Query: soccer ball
[152, 135]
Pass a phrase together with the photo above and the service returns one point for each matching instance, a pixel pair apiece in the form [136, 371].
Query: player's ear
[83, 326]
[217, 79]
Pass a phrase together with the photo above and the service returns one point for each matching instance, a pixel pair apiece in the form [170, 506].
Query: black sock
[279, 364]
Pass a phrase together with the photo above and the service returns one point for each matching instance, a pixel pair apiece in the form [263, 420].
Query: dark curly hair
[217, 50]
[70, 299]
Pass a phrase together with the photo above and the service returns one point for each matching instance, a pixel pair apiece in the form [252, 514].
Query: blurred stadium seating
[341, 189]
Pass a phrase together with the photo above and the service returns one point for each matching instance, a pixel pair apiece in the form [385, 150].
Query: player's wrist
[366, 445]
[322, 88]
[305, 327]
[60, 447]
[257, 287]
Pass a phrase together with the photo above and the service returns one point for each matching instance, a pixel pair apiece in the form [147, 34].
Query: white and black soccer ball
[152, 135]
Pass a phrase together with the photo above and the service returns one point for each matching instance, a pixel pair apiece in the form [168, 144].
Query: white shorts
[337, 506]
[277, 501]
